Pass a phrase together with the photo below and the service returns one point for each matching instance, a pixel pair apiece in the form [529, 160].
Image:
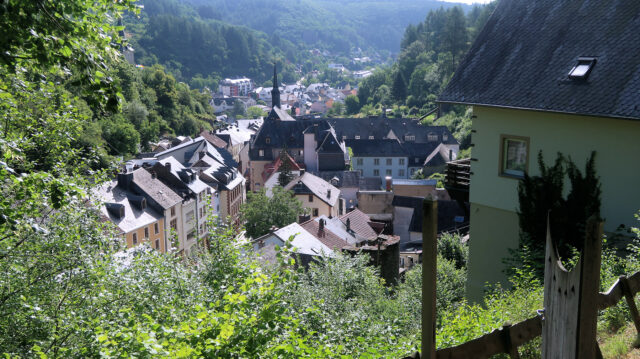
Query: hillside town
[353, 177]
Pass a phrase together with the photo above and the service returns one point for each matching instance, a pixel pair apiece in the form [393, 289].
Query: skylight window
[583, 68]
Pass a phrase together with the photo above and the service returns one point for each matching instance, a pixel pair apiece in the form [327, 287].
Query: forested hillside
[328, 24]
[200, 50]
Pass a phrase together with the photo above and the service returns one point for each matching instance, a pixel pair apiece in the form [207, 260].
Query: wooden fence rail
[508, 338]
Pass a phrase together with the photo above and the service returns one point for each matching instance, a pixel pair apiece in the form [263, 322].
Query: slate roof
[158, 191]
[382, 127]
[376, 148]
[345, 178]
[370, 183]
[327, 237]
[303, 241]
[283, 134]
[417, 153]
[311, 184]
[134, 217]
[522, 58]
[447, 211]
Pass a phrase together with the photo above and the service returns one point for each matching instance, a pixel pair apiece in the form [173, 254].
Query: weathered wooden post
[570, 299]
[429, 258]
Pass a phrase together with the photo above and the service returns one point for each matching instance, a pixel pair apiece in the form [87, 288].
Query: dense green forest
[337, 26]
[201, 50]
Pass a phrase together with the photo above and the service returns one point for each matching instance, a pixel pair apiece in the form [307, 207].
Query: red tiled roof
[213, 139]
[327, 237]
[359, 223]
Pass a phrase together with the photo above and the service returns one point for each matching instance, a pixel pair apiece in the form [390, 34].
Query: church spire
[275, 92]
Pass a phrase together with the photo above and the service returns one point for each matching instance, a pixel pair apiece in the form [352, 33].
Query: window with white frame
[514, 153]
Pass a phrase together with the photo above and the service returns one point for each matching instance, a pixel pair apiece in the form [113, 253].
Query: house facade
[318, 196]
[533, 91]
[379, 158]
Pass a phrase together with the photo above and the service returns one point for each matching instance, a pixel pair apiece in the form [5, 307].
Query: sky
[469, 1]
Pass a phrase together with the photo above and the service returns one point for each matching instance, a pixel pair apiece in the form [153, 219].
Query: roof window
[583, 68]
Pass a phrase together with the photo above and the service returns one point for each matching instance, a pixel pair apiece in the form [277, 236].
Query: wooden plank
[630, 301]
[494, 343]
[590, 262]
[429, 257]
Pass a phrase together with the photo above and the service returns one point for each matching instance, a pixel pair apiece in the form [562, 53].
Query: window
[514, 153]
[267, 140]
[445, 137]
[389, 161]
[376, 161]
[412, 171]
[173, 211]
[301, 152]
[431, 137]
[310, 198]
[156, 228]
[344, 137]
[376, 172]
[401, 173]
[189, 216]
[135, 239]
[371, 137]
[388, 172]
[261, 153]
[157, 244]
[200, 213]
[582, 69]
[357, 137]
[359, 161]
[315, 212]
[174, 224]
[409, 137]
[401, 161]
[146, 232]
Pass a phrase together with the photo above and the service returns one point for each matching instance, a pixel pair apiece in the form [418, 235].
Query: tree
[399, 88]
[285, 175]
[262, 212]
[238, 110]
[255, 112]
[456, 34]
[352, 104]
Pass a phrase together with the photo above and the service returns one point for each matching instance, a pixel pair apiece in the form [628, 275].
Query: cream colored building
[535, 88]
[318, 196]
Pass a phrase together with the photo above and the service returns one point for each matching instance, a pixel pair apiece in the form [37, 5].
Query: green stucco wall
[617, 145]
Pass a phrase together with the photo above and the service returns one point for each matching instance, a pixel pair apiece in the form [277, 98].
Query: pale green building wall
[494, 198]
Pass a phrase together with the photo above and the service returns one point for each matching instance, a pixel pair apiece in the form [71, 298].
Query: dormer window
[371, 137]
[261, 153]
[410, 138]
[267, 140]
[583, 68]
[357, 137]
[432, 137]
[445, 137]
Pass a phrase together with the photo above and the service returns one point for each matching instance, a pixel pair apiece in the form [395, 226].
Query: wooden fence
[568, 322]
[508, 338]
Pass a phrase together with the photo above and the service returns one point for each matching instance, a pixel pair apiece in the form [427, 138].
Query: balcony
[458, 179]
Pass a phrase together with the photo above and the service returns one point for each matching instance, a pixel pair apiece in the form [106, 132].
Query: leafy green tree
[352, 104]
[262, 212]
[238, 110]
[255, 112]
[399, 89]
[121, 136]
[455, 34]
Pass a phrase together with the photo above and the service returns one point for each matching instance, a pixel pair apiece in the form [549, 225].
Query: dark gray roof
[419, 151]
[524, 54]
[370, 183]
[447, 211]
[376, 148]
[345, 178]
[158, 192]
[282, 134]
[381, 127]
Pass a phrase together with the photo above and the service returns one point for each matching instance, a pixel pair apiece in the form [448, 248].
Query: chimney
[328, 193]
[348, 224]
[154, 175]
[168, 166]
[303, 218]
[302, 172]
[321, 227]
[389, 183]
